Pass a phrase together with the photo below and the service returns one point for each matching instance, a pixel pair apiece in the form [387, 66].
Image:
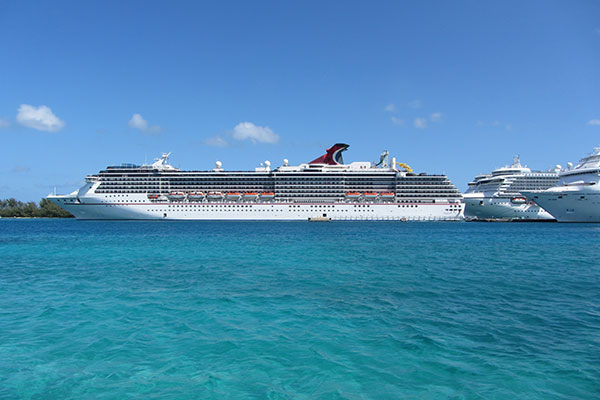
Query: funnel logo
[333, 155]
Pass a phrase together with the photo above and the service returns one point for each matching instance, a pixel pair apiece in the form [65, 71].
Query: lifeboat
[267, 196]
[518, 200]
[233, 196]
[153, 196]
[250, 196]
[176, 196]
[388, 196]
[214, 196]
[353, 195]
[370, 196]
[195, 196]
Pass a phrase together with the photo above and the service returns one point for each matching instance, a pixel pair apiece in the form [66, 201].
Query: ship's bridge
[515, 169]
[591, 161]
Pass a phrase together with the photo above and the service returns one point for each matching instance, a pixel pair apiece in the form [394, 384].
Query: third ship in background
[498, 195]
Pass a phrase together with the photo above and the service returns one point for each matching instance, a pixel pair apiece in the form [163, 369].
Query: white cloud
[138, 122]
[397, 121]
[390, 108]
[415, 103]
[247, 130]
[420, 123]
[435, 117]
[40, 118]
[508, 127]
[594, 122]
[4, 123]
[216, 141]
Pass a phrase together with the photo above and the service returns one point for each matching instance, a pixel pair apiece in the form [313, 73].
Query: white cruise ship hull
[570, 205]
[139, 210]
[491, 208]
[325, 188]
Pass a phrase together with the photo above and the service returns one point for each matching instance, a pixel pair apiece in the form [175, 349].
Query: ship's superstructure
[498, 196]
[324, 187]
[576, 197]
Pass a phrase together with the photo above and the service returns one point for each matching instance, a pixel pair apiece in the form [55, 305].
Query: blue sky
[455, 87]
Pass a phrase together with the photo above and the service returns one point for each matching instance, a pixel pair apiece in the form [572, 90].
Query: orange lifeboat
[267, 196]
[153, 196]
[250, 195]
[214, 196]
[233, 196]
[195, 196]
[388, 196]
[370, 195]
[353, 195]
[176, 196]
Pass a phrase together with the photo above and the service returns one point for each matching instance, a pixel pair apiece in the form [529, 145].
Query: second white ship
[498, 196]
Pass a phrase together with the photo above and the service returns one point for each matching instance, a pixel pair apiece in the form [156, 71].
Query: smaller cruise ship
[576, 197]
[499, 195]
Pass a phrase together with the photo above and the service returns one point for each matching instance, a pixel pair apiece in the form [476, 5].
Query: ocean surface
[298, 310]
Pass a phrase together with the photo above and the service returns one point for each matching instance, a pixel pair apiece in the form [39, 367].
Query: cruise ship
[323, 188]
[576, 197]
[498, 196]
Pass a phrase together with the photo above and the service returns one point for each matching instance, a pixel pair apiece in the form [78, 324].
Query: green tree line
[46, 208]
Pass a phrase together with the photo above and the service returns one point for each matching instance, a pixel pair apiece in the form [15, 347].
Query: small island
[12, 208]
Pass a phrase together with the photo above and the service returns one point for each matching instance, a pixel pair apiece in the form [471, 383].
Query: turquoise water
[297, 310]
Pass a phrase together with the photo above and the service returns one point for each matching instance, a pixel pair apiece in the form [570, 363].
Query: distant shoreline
[12, 208]
[36, 217]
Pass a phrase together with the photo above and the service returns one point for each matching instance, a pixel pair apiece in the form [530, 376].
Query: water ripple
[298, 311]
